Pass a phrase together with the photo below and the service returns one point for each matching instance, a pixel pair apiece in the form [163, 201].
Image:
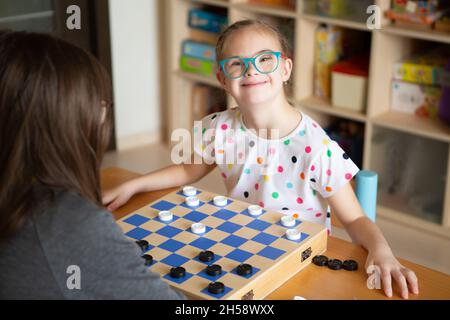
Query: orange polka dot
[295, 215]
[260, 160]
[329, 189]
[302, 176]
[220, 151]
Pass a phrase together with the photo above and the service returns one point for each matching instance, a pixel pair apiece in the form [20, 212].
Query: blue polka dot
[289, 185]
[247, 171]
[302, 133]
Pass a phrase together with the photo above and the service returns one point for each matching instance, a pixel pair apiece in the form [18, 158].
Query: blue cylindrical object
[366, 192]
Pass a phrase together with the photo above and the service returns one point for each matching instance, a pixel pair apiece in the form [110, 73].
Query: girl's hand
[390, 268]
[117, 197]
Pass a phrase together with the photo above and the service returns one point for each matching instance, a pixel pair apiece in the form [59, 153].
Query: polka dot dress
[292, 175]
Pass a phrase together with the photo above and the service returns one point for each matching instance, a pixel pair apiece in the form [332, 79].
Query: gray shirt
[70, 238]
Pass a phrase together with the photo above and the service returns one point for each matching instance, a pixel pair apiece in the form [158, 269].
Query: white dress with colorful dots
[294, 174]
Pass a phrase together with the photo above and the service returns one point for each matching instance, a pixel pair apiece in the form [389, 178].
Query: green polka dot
[286, 142]
[195, 129]
[242, 128]
[275, 195]
[314, 192]
[329, 153]
[204, 130]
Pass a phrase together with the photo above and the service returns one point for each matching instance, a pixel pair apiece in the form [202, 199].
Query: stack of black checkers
[335, 264]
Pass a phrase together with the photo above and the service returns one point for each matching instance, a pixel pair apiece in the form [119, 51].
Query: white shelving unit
[388, 45]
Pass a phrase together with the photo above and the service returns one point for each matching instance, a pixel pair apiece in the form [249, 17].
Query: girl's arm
[172, 176]
[363, 231]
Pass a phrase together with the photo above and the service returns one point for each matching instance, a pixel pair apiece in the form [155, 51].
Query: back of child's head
[53, 128]
[257, 25]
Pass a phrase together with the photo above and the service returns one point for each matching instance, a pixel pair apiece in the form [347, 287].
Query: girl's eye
[236, 63]
[265, 58]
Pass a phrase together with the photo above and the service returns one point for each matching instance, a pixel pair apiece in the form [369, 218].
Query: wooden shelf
[217, 3]
[198, 78]
[336, 22]
[430, 35]
[317, 104]
[429, 128]
[276, 11]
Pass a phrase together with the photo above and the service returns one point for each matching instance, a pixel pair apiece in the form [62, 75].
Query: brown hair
[258, 24]
[51, 129]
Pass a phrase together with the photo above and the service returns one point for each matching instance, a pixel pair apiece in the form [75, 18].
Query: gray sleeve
[110, 265]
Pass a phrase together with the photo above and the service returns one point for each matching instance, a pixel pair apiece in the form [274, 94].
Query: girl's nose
[251, 70]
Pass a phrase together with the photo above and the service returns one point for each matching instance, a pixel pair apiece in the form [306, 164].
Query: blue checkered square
[195, 216]
[203, 243]
[175, 260]
[255, 270]
[217, 296]
[136, 220]
[138, 233]
[203, 274]
[259, 225]
[239, 255]
[201, 203]
[171, 245]
[169, 231]
[163, 205]
[224, 214]
[271, 253]
[303, 236]
[212, 203]
[216, 258]
[234, 241]
[264, 238]
[229, 227]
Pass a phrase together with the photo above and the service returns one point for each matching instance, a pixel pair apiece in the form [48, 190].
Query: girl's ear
[287, 69]
[221, 78]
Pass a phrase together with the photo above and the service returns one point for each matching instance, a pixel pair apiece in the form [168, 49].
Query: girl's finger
[387, 284]
[411, 278]
[401, 281]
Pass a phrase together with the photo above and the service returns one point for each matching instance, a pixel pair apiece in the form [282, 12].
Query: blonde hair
[264, 26]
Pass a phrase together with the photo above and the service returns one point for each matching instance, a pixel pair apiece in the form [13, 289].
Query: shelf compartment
[18, 8]
[412, 173]
[409, 123]
[429, 35]
[211, 81]
[218, 3]
[320, 105]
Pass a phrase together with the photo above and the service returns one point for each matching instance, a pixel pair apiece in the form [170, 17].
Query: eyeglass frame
[278, 54]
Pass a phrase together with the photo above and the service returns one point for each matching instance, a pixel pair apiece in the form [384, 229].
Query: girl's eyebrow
[263, 50]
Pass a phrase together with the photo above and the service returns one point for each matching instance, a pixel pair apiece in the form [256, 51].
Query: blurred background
[382, 93]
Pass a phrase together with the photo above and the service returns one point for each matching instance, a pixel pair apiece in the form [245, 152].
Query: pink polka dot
[314, 125]
[310, 209]
[272, 150]
[224, 175]
[257, 186]
[224, 126]
[328, 172]
[241, 155]
[308, 149]
[299, 200]
[348, 176]
[313, 168]
[261, 204]
[230, 140]
[280, 169]
[328, 232]
[318, 214]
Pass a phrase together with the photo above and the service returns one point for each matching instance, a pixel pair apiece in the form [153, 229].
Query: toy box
[195, 65]
[328, 50]
[198, 50]
[349, 83]
[413, 98]
[206, 21]
[417, 12]
[425, 68]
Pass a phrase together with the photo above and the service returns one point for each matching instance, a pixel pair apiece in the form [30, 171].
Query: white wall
[134, 46]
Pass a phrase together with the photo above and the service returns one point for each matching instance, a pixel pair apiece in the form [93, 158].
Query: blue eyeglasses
[265, 62]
